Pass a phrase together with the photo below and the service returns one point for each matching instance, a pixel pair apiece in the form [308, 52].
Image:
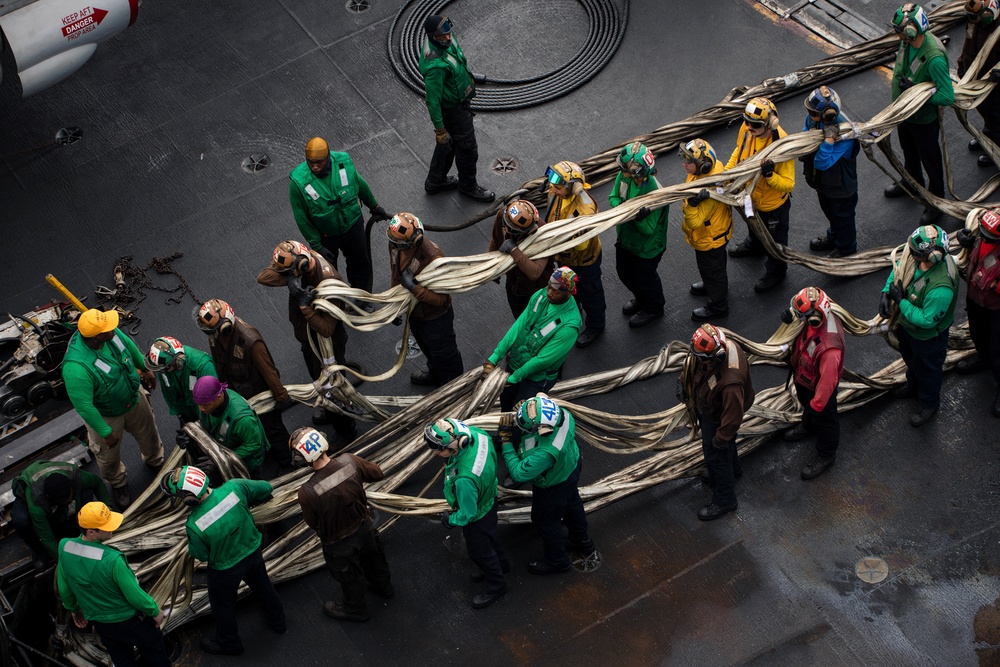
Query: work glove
[408, 281]
[831, 131]
[883, 306]
[767, 168]
[505, 430]
[183, 439]
[207, 466]
[442, 136]
[328, 256]
[680, 393]
[642, 212]
[300, 296]
[702, 195]
[786, 316]
[397, 321]
[487, 369]
[896, 292]
[905, 82]
[508, 246]
[281, 406]
[445, 521]
[995, 75]
[966, 238]
[148, 379]
[378, 214]
[720, 444]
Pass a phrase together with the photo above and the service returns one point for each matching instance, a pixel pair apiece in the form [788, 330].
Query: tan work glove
[442, 136]
[487, 369]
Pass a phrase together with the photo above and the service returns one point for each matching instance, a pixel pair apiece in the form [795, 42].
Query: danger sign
[83, 21]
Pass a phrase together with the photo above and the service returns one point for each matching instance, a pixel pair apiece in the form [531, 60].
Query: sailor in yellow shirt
[771, 196]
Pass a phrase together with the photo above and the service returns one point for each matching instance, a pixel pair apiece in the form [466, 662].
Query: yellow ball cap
[94, 322]
[317, 148]
[99, 516]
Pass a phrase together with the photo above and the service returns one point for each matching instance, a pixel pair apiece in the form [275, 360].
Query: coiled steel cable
[605, 34]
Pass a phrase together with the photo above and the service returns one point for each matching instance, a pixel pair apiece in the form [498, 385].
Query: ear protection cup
[301, 264]
[936, 256]
[910, 31]
[226, 328]
[829, 116]
[704, 166]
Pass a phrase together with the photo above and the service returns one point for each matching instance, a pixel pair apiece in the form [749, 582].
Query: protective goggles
[633, 169]
[443, 28]
[553, 177]
[754, 123]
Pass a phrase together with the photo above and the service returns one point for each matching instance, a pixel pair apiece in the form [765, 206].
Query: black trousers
[984, 327]
[824, 424]
[517, 302]
[436, 339]
[222, 588]
[354, 244]
[989, 109]
[355, 562]
[485, 551]
[924, 365]
[139, 632]
[842, 229]
[277, 435]
[640, 277]
[921, 149]
[723, 463]
[553, 506]
[461, 150]
[343, 425]
[777, 226]
[590, 294]
[712, 269]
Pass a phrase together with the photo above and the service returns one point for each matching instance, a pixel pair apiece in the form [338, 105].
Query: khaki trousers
[138, 421]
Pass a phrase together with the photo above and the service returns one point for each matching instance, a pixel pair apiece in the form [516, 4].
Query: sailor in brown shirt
[715, 384]
[514, 223]
[302, 270]
[334, 504]
[432, 320]
[243, 361]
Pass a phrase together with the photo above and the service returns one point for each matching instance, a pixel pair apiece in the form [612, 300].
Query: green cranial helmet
[187, 481]
[910, 21]
[929, 243]
[636, 160]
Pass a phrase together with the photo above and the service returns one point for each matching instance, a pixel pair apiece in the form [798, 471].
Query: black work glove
[408, 281]
[883, 306]
[720, 444]
[378, 214]
[905, 82]
[966, 238]
[995, 75]
[786, 316]
[301, 296]
[831, 131]
[680, 393]
[508, 246]
[328, 256]
[183, 439]
[896, 292]
[767, 168]
[642, 212]
[702, 195]
[397, 321]
[444, 519]
[281, 406]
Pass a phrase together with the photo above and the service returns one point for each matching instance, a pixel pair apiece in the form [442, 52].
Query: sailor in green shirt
[926, 311]
[449, 89]
[229, 419]
[96, 584]
[179, 367]
[921, 58]
[221, 533]
[102, 370]
[539, 341]
[325, 192]
[549, 458]
[47, 496]
[470, 487]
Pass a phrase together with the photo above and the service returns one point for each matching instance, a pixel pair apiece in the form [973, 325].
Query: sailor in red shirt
[982, 299]
[817, 363]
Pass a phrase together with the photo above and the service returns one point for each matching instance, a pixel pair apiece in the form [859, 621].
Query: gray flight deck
[170, 109]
